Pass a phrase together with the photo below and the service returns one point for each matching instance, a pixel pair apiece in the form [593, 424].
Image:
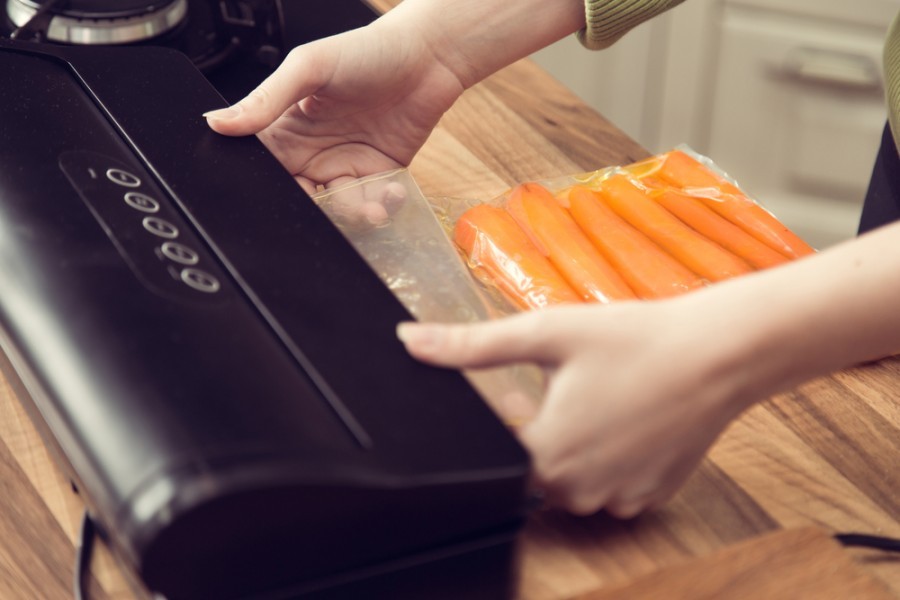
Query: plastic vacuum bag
[662, 226]
[404, 240]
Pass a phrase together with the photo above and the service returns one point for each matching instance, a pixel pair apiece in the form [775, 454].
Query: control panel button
[123, 178]
[180, 253]
[147, 229]
[160, 227]
[141, 202]
[200, 280]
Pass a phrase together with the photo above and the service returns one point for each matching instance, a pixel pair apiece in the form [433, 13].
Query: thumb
[299, 75]
[479, 345]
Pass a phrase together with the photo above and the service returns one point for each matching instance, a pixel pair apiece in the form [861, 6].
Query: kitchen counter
[819, 459]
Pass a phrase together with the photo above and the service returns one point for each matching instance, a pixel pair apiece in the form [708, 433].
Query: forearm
[474, 38]
[820, 314]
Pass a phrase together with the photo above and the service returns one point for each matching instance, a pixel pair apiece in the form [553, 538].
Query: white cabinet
[785, 96]
[797, 113]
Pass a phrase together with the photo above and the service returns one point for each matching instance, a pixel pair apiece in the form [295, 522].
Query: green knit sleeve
[892, 77]
[608, 20]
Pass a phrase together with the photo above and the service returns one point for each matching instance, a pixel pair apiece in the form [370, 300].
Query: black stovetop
[235, 43]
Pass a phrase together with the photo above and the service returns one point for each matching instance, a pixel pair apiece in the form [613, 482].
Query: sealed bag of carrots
[652, 229]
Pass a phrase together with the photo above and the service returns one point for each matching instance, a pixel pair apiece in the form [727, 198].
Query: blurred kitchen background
[786, 97]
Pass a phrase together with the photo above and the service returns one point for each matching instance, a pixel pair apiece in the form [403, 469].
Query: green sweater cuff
[608, 20]
[892, 77]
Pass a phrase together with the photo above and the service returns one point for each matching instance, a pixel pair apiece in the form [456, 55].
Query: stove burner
[235, 43]
[94, 22]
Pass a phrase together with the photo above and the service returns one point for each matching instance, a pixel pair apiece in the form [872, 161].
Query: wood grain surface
[823, 456]
[800, 564]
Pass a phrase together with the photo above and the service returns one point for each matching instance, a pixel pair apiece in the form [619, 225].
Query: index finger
[303, 71]
[526, 337]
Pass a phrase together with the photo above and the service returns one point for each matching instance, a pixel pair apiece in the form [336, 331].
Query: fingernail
[223, 114]
[405, 331]
[418, 336]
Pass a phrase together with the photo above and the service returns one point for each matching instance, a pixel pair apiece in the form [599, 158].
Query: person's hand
[635, 395]
[638, 391]
[351, 105]
[365, 101]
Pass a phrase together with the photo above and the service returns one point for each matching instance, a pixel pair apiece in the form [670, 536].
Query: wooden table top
[824, 455]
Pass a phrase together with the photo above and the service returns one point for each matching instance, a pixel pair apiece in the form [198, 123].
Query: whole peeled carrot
[686, 172]
[566, 246]
[647, 268]
[698, 253]
[719, 229]
[496, 247]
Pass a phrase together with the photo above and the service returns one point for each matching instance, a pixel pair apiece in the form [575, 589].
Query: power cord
[83, 558]
[868, 541]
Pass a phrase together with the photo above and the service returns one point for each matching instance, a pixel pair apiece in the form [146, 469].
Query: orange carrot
[719, 229]
[567, 247]
[686, 172]
[498, 248]
[647, 268]
[693, 250]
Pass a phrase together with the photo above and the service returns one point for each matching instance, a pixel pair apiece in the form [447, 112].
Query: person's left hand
[636, 394]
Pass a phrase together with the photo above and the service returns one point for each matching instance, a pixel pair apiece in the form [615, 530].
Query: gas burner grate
[94, 22]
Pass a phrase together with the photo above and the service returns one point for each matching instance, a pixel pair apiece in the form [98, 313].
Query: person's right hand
[347, 106]
[636, 393]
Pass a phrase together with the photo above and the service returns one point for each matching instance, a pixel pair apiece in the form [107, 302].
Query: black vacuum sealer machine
[214, 364]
